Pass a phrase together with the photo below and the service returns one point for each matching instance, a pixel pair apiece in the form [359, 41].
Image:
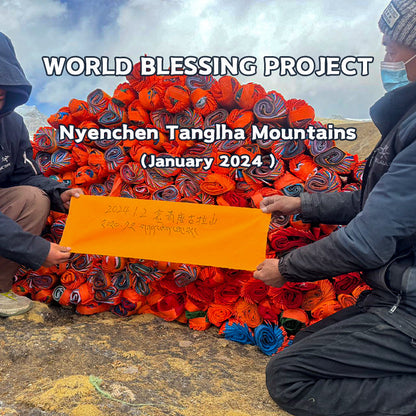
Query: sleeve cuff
[306, 207]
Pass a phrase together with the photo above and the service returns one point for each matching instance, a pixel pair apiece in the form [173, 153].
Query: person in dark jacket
[361, 360]
[25, 194]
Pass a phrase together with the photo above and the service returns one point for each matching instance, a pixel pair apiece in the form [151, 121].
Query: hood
[12, 77]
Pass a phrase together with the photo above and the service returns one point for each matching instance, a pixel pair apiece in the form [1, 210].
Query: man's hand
[56, 255]
[67, 195]
[268, 272]
[281, 205]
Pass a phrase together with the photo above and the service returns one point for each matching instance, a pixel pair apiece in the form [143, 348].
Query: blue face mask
[394, 74]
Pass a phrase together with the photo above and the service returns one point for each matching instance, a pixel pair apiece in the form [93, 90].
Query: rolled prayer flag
[124, 95]
[324, 292]
[177, 98]
[303, 166]
[43, 281]
[227, 293]
[324, 180]
[188, 185]
[217, 314]
[286, 297]
[136, 79]
[97, 161]
[72, 279]
[97, 189]
[271, 109]
[166, 193]
[62, 117]
[240, 119]
[224, 91]
[248, 95]
[359, 171]
[137, 115]
[346, 283]
[203, 102]
[285, 239]
[288, 149]
[200, 81]
[115, 157]
[325, 309]
[253, 290]
[186, 274]
[79, 109]
[216, 184]
[199, 291]
[293, 320]
[337, 160]
[234, 331]
[265, 174]
[346, 300]
[268, 311]
[300, 113]
[247, 313]
[160, 118]
[80, 153]
[132, 173]
[98, 102]
[289, 184]
[44, 140]
[218, 116]
[85, 175]
[62, 161]
[188, 118]
[269, 338]
[43, 161]
[113, 116]
[151, 99]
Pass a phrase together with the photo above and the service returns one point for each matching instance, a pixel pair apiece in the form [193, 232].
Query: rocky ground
[50, 359]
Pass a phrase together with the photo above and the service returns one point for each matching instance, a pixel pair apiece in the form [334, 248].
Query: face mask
[394, 74]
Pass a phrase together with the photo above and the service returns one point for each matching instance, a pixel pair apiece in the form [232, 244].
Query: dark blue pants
[350, 364]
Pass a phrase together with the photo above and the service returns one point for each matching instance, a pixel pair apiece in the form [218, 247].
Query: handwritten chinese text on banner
[208, 235]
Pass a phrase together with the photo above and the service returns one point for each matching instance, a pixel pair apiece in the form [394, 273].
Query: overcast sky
[166, 28]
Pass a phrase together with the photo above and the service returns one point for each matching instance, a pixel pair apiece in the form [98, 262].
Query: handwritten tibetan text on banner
[208, 235]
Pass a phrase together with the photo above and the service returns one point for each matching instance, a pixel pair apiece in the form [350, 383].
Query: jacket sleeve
[21, 247]
[369, 240]
[27, 173]
[330, 208]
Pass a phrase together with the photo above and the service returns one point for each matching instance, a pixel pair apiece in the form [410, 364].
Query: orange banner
[179, 232]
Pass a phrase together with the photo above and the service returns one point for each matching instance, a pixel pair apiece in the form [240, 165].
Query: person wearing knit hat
[361, 360]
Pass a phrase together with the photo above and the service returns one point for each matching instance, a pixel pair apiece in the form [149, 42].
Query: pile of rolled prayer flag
[243, 308]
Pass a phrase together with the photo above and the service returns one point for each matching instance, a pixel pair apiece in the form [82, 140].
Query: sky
[133, 28]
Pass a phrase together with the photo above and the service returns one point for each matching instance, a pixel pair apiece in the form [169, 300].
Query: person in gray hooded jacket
[361, 360]
[25, 194]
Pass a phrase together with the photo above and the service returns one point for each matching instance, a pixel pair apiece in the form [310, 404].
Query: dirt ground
[48, 355]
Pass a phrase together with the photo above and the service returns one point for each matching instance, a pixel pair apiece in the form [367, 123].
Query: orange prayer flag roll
[224, 91]
[248, 94]
[247, 313]
[123, 95]
[217, 184]
[151, 98]
[300, 113]
[203, 101]
[177, 98]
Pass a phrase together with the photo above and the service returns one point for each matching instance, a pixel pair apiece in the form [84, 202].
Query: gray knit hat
[399, 22]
